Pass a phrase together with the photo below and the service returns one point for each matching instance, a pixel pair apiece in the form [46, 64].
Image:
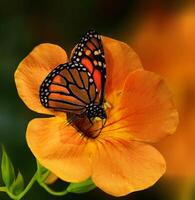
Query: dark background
[25, 24]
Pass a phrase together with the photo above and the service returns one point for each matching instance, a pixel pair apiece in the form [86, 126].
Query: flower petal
[33, 70]
[144, 109]
[120, 61]
[120, 167]
[60, 148]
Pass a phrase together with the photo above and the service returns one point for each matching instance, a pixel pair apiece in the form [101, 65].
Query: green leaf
[7, 169]
[18, 185]
[81, 187]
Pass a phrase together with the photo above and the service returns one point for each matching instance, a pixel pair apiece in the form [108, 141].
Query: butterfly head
[93, 111]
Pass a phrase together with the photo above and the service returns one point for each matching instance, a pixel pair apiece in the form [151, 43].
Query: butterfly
[77, 87]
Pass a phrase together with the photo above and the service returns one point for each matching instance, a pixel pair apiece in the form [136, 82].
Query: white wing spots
[44, 88]
[96, 52]
[90, 76]
[100, 63]
[91, 80]
[78, 59]
[80, 53]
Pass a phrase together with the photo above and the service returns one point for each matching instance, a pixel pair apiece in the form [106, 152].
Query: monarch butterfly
[77, 87]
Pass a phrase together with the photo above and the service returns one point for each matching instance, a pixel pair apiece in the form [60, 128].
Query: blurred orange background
[165, 43]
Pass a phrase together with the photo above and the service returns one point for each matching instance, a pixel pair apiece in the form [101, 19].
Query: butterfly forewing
[78, 87]
[69, 87]
[89, 52]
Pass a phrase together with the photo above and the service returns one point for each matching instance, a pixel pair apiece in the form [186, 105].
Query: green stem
[4, 189]
[18, 197]
[45, 176]
[12, 196]
[49, 190]
[32, 181]
[27, 188]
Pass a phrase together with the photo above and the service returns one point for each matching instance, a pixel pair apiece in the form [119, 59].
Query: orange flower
[120, 160]
[166, 45]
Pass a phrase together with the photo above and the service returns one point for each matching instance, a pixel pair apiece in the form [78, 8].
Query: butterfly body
[77, 87]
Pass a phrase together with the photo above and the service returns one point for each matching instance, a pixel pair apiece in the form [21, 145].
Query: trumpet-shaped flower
[140, 111]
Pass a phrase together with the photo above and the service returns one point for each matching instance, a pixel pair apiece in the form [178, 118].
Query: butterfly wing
[69, 88]
[90, 53]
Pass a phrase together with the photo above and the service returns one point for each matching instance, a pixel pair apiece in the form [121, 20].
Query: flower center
[87, 126]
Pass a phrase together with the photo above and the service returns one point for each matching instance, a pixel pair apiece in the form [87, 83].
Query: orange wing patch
[90, 53]
[87, 63]
[97, 78]
[58, 88]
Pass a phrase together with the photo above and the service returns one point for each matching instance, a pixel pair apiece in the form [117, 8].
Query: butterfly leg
[91, 121]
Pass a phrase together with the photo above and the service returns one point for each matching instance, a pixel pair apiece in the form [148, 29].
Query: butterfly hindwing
[90, 53]
[69, 87]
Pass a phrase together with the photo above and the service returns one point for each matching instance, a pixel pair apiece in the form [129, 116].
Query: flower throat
[88, 127]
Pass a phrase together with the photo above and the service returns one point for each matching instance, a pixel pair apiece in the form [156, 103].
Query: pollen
[107, 105]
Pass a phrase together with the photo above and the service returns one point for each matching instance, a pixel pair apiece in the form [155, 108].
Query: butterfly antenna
[91, 121]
